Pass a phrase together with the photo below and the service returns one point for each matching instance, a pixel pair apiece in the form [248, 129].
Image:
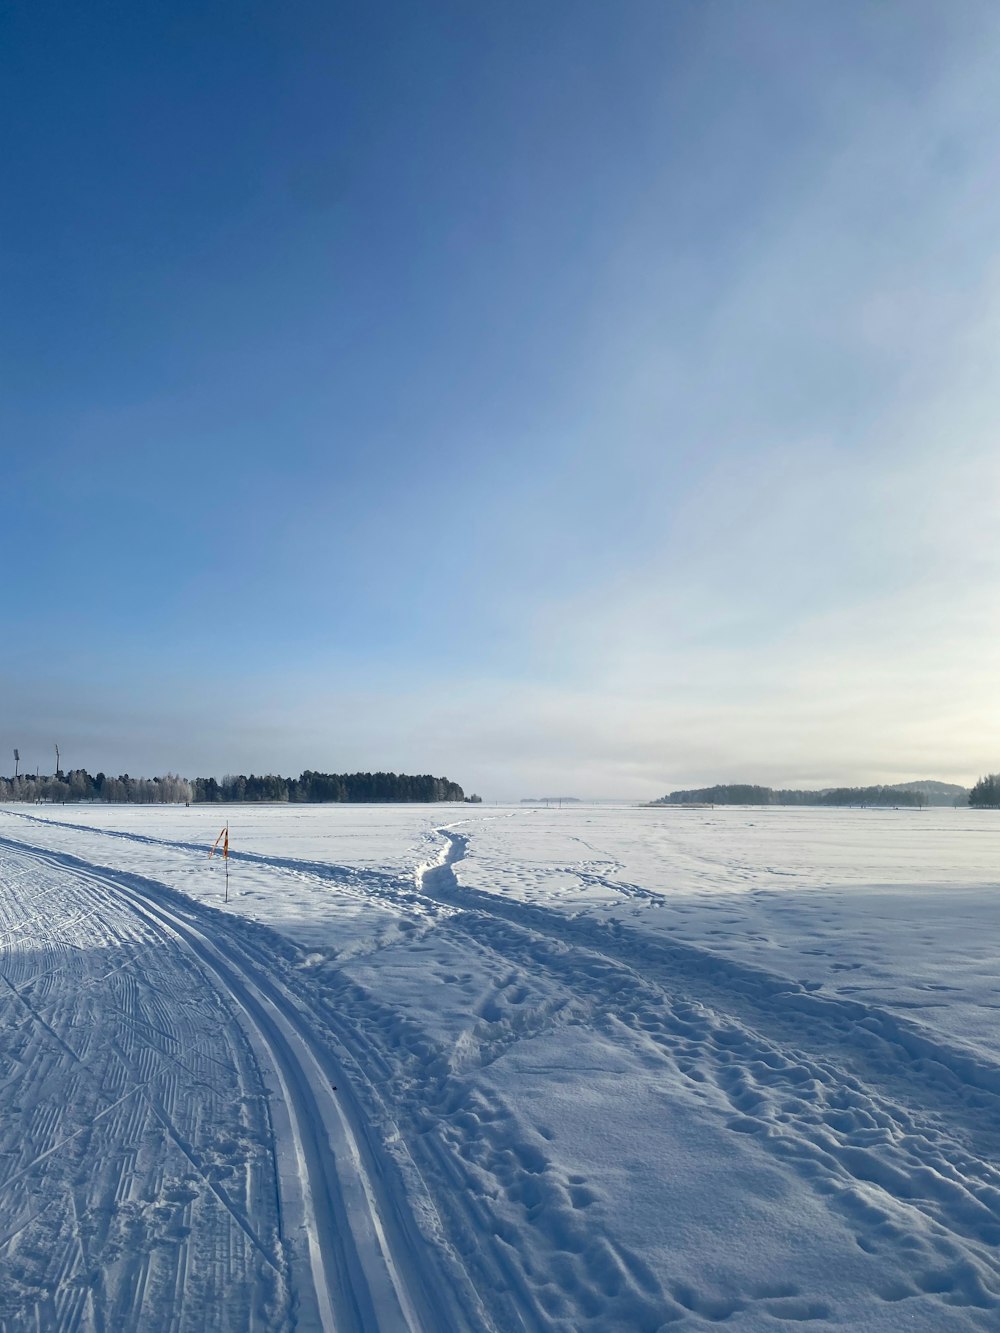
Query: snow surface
[434, 1068]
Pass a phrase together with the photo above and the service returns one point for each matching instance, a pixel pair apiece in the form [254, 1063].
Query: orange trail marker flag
[224, 839]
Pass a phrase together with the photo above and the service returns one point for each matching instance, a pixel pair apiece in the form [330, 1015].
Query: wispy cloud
[646, 438]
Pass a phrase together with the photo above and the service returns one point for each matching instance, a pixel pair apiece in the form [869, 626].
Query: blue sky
[567, 397]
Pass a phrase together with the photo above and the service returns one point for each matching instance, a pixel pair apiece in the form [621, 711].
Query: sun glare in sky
[579, 397]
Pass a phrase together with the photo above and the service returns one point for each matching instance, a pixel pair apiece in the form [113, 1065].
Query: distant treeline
[312, 786]
[78, 785]
[742, 793]
[986, 793]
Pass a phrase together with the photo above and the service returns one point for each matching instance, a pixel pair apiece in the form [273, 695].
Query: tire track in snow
[361, 1282]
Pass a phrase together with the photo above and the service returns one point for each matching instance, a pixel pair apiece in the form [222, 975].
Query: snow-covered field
[453, 1068]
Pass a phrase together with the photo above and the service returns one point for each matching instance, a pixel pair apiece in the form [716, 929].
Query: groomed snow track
[366, 1266]
[425, 1193]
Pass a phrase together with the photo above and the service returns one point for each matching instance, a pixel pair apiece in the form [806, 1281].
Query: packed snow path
[505, 1095]
[152, 1180]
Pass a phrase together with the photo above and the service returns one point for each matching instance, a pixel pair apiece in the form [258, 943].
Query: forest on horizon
[77, 785]
[743, 793]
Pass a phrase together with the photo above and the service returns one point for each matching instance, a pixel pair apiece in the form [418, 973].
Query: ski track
[896, 1130]
[97, 1221]
[340, 1214]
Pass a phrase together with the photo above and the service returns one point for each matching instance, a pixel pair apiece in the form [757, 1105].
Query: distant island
[550, 800]
[924, 792]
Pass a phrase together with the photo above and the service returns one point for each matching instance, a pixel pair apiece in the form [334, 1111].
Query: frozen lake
[452, 1067]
